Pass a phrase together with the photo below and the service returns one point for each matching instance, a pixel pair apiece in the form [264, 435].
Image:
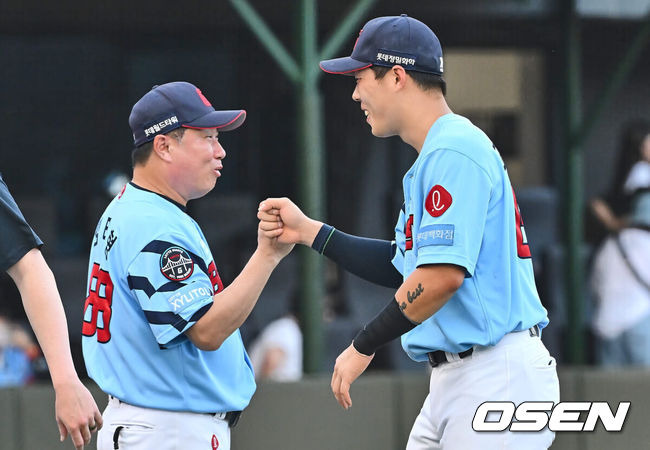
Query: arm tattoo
[411, 296]
[415, 294]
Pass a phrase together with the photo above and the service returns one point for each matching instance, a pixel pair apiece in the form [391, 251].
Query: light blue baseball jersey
[151, 276]
[459, 208]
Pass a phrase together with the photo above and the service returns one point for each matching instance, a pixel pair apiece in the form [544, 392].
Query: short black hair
[424, 80]
[140, 155]
[632, 136]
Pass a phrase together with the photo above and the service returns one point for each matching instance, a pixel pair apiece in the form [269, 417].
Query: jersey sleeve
[455, 192]
[172, 283]
[17, 237]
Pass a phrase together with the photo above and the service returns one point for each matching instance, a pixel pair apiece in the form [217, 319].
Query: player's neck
[420, 116]
[148, 179]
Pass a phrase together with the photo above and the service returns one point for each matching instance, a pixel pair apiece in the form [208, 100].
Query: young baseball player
[466, 300]
[76, 412]
[160, 331]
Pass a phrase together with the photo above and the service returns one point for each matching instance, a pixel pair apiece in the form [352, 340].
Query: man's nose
[219, 151]
[355, 95]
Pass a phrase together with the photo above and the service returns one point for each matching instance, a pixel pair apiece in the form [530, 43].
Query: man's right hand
[277, 214]
[76, 413]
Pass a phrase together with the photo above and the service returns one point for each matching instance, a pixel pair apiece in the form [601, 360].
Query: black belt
[440, 356]
[232, 417]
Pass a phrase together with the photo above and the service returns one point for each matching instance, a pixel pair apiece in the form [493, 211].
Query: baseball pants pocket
[539, 357]
[131, 435]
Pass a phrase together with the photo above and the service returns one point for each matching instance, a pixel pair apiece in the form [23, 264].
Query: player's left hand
[76, 413]
[349, 365]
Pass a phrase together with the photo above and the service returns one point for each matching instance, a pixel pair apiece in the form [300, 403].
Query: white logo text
[534, 416]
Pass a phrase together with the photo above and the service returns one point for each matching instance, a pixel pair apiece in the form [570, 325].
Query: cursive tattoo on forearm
[411, 296]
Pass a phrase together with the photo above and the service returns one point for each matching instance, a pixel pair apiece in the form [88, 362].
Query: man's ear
[398, 75]
[161, 147]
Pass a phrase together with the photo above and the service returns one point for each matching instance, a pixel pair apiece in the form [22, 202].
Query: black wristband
[389, 324]
[322, 238]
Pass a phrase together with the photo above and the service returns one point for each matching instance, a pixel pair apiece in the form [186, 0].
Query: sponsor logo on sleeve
[180, 300]
[438, 234]
[438, 201]
[176, 264]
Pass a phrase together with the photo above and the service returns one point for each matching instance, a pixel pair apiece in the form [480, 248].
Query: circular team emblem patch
[215, 442]
[438, 201]
[176, 264]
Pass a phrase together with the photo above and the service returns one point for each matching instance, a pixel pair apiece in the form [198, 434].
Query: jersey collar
[182, 207]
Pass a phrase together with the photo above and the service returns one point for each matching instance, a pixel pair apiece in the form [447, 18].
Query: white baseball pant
[129, 427]
[519, 368]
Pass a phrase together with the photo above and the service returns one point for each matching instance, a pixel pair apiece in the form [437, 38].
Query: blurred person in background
[632, 173]
[276, 354]
[620, 277]
[16, 352]
[20, 256]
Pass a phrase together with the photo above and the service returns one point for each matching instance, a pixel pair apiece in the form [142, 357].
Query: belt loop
[234, 418]
[452, 356]
[535, 331]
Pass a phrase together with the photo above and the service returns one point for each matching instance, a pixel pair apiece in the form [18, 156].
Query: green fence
[305, 416]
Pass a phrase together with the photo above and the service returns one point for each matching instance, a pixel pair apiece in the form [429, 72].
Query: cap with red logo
[387, 41]
[174, 105]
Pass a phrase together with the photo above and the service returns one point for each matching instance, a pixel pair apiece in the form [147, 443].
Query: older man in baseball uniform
[160, 331]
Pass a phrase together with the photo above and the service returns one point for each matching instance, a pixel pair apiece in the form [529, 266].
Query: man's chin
[381, 133]
[203, 192]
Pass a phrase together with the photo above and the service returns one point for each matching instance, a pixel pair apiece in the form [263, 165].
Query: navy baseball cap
[174, 105]
[387, 41]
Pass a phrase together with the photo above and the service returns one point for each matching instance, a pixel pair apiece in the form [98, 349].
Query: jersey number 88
[100, 299]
